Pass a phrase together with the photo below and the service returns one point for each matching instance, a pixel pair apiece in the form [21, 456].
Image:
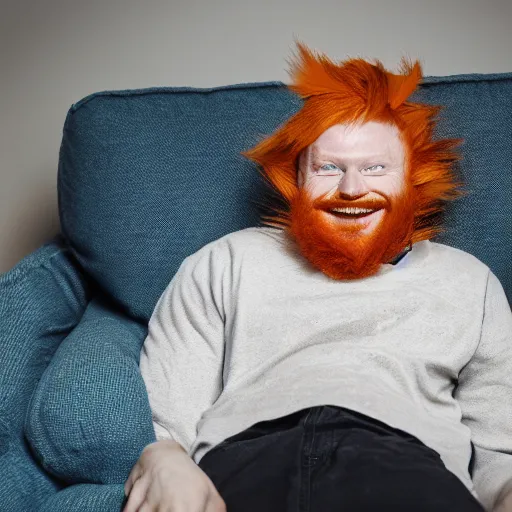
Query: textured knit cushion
[148, 177]
[90, 418]
[86, 498]
[24, 485]
[41, 300]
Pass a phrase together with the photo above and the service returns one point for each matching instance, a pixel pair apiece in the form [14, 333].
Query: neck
[396, 259]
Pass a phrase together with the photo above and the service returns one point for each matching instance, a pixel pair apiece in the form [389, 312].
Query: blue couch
[147, 177]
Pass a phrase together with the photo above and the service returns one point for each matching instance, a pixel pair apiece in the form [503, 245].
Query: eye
[375, 168]
[329, 169]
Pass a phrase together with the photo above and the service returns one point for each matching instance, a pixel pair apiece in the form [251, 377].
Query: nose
[352, 185]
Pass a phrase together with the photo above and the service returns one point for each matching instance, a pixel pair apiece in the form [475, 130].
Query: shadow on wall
[32, 223]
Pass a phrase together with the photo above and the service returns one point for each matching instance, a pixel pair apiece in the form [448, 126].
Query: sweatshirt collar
[396, 259]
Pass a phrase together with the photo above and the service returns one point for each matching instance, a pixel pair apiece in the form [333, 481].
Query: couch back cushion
[147, 177]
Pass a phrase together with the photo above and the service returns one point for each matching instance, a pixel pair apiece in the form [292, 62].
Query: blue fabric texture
[25, 486]
[41, 301]
[86, 498]
[89, 418]
[147, 177]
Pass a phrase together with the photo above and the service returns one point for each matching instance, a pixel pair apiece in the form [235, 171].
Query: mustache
[371, 204]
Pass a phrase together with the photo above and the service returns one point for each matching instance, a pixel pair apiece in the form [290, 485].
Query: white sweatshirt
[248, 330]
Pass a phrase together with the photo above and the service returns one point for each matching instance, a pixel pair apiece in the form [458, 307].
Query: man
[344, 362]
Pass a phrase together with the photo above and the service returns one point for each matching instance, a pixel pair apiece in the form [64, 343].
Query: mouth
[353, 213]
[355, 216]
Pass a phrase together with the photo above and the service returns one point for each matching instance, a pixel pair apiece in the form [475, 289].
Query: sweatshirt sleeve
[484, 393]
[182, 356]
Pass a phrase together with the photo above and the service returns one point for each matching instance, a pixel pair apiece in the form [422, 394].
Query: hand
[165, 478]
[504, 504]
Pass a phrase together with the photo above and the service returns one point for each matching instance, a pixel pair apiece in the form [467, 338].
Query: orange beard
[339, 248]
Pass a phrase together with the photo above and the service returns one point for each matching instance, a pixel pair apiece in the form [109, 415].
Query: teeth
[352, 210]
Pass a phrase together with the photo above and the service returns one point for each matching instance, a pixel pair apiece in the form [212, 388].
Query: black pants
[329, 459]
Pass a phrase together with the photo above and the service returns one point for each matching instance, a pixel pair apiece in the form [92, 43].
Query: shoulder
[450, 256]
[255, 241]
[254, 237]
[458, 273]
[243, 240]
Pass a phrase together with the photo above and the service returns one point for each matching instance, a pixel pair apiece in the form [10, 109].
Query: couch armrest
[89, 418]
[87, 498]
[42, 299]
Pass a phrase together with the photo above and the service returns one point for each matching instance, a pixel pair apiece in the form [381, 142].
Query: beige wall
[54, 52]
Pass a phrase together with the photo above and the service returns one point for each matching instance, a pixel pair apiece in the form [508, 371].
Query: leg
[370, 469]
[258, 469]
[328, 459]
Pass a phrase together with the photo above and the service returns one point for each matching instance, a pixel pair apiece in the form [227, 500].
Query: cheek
[318, 186]
[390, 185]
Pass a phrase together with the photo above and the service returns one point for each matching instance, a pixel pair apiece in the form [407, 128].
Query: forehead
[371, 137]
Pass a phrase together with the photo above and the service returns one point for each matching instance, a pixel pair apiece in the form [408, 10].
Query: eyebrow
[326, 156]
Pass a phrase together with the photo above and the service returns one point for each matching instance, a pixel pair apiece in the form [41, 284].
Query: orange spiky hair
[357, 91]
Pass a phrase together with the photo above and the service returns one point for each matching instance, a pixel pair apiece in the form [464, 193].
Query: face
[354, 209]
[356, 164]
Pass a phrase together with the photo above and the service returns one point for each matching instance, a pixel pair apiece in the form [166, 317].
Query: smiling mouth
[352, 213]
